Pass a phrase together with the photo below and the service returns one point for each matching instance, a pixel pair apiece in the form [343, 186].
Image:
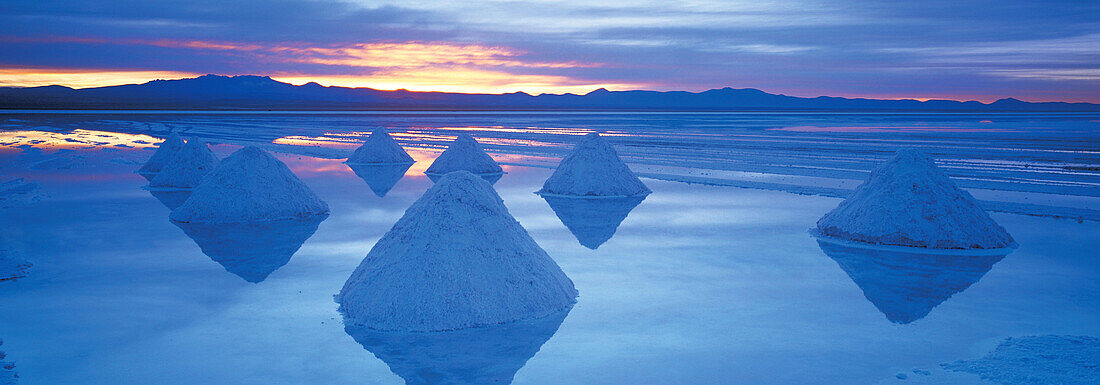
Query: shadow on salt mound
[491, 178]
[593, 221]
[485, 355]
[380, 177]
[171, 198]
[906, 283]
[251, 250]
[12, 267]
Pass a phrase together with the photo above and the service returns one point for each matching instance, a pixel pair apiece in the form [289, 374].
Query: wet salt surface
[699, 284]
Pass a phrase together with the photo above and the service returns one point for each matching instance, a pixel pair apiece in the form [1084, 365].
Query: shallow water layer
[697, 284]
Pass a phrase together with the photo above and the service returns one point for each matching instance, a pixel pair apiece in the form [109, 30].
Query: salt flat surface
[697, 284]
[1026, 156]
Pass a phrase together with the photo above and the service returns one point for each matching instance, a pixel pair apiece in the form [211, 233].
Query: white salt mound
[165, 152]
[464, 154]
[908, 201]
[187, 168]
[593, 169]
[1050, 359]
[380, 148]
[249, 185]
[456, 259]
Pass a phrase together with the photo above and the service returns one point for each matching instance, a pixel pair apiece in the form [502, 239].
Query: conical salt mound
[252, 251]
[906, 285]
[464, 154]
[908, 201]
[593, 169]
[380, 177]
[249, 185]
[186, 169]
[165, 152]
[456, 259]
[486, 355]
[592, 221]
[380, 148]
[12, 267]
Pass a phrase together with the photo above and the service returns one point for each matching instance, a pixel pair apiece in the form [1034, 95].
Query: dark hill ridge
[248, 92]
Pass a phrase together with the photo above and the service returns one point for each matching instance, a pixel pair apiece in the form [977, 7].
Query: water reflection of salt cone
[906, 285]
[251, 250]
[380, 177]
[491, 178]
[485, 355]
[592, 221]
[171, 198]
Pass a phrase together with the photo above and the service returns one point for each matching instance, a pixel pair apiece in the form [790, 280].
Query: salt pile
[908, 201]
[592, 221]
[593, 169]
[904, 283]
[485, 355]
[186, 168]
[249, 185]
[251, 251]
[165, 152]
[464, 154]
[12, 267]
[380, 177]
[380, 148]
[456, 259]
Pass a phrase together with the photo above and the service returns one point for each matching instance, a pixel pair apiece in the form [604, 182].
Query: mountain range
[247, 92]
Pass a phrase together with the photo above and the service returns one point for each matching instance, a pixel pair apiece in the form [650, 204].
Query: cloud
[983, 49]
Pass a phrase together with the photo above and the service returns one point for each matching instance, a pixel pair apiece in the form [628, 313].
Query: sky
[945, 49]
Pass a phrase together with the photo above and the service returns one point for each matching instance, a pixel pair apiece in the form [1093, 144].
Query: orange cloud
[417, 55]
[471, 80]
[415, 66]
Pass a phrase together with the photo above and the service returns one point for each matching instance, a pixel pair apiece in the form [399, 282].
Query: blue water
[698, 284]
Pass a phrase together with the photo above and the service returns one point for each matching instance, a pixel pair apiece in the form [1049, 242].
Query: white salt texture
[186, 168]
[165, 151]
[908, 201]
[456, 259]
[249, 185]
[380, 148]
[464, 154]
[593, 169]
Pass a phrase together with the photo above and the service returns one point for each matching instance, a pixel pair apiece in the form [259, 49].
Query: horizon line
[300, 83]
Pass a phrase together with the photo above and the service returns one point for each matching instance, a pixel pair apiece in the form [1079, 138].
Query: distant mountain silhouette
[248, 92]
